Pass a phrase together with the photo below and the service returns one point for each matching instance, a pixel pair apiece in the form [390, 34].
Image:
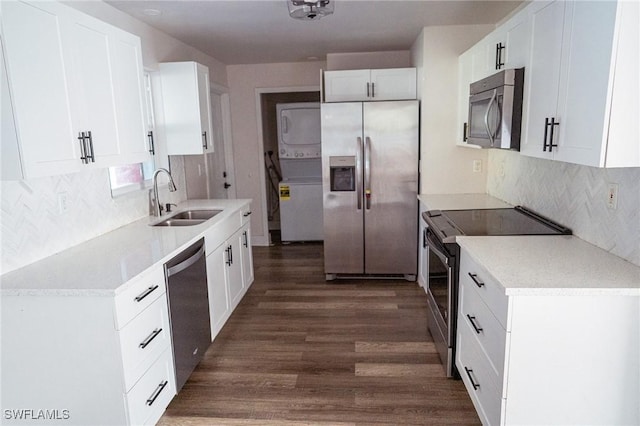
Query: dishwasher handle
[175, 269]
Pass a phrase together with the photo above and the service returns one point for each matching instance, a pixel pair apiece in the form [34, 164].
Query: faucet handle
[169, 207]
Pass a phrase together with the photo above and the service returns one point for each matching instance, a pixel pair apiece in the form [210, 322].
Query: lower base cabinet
[87, 360]
[229, 269]
[547, 359]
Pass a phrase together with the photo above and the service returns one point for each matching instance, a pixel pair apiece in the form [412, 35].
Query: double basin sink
[188, 218]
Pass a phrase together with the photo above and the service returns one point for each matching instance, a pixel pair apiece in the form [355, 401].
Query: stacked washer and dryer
[301, 165]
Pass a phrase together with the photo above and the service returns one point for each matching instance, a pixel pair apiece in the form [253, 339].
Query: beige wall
[373, 60]
[245, 82]
[444, 166]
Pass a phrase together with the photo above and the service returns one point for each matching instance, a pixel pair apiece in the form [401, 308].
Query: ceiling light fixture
[310, 10]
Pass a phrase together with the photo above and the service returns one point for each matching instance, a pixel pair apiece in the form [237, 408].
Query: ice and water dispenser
[342, 173]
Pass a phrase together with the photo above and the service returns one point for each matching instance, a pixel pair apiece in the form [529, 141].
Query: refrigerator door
[342, 172]
[390, 187]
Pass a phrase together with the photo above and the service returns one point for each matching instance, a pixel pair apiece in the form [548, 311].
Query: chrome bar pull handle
[157, 393]
[152, 148]
[475, 279]
[367, 172]
[204, 142]
[91, 156]
[359, 173]
[149, 339]
[144, 294]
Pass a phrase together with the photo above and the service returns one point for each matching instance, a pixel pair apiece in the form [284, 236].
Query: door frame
[225, 103]
[265, 240]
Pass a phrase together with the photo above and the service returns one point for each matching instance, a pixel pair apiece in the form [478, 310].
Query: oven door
[440, 298]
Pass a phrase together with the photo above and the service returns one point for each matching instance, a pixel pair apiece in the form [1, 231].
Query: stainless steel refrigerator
[370, 184]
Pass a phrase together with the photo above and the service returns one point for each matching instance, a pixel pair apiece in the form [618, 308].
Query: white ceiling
[249, 31]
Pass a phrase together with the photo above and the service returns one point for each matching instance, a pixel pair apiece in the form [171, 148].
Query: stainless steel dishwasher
[186, 276]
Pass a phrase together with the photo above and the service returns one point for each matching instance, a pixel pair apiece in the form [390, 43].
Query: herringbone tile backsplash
[574, 196]
[33, 228]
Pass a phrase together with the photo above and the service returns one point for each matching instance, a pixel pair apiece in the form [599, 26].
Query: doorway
[268, 102]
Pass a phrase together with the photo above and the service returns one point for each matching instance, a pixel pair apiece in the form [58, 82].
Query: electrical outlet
[477, 166]
[612, 196]
[63, 202]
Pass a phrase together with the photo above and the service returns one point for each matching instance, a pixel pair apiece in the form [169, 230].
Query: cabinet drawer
[144, 339]
[473, 365]
[147, 287]
[148, 399]
[485, 327]
[489, 290]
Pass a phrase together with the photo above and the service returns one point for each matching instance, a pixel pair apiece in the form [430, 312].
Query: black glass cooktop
[505, 221]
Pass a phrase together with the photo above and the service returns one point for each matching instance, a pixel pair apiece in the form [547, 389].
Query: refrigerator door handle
[367, 172]
[359, 173]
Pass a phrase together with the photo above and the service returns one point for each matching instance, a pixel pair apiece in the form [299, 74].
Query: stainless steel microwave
[495, 110]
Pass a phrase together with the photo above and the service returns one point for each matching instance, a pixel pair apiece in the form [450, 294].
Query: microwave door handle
[486, 116]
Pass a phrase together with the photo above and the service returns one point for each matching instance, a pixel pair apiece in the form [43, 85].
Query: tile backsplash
[32, 226]
[573, 195]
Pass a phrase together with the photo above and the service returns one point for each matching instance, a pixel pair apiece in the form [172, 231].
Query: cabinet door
[247, 257]
[585, 82]
[517, 42]
[39, 74]
[234, 268]
[393, 84]
[478, 62]
[94, 84]
[465, 64]
[186, 104]
[350, 85]
[129, 93]
[495, 51]
[204, 101]
[217, 278]
[543, 76]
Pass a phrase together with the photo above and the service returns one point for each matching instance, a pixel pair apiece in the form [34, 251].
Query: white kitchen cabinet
[187, 108]
[370, 85]
[504, 48]
[583, 65]
[545, 358]
[70, 74]
[229, 267]
[107, 359]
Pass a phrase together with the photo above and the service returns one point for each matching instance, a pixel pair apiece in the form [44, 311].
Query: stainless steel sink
[188, 218]
[179, 222]
[195, 214]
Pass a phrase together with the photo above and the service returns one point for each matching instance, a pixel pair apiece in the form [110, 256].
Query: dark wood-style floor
[302, 351]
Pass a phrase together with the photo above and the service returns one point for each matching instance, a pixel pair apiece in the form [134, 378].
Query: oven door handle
[435, 247]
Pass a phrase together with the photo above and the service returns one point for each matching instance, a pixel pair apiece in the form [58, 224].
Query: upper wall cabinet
[505, 47]
[581, 69]
[187, 108]
[370, 85]
[583, 84]
[76, 90]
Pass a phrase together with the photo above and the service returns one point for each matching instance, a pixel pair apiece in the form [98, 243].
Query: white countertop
[461, 201]
[100, 266]
[552, 265]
